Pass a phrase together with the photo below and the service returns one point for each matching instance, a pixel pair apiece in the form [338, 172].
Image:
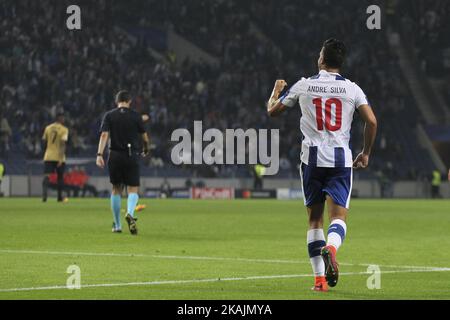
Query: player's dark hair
[123, 96]
[334, 53]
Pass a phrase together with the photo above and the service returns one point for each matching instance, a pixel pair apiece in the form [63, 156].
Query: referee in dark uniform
[129, 142]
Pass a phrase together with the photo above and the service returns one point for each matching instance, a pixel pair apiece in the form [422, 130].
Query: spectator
[258, 175]
[165, 189]
[44, 68]
[2, 174]
[436, 184]
[5, 134]
[76, 181]
[82, 179]
[53, 184]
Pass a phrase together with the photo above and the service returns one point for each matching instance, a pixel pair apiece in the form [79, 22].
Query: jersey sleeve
[65, 135]
[45, 135]
[106, 124]
[290, 97]
[360, 97]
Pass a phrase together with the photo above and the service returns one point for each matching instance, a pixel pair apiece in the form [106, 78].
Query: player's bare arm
[274, 106]
[101, 148]
[370, 132]
[146, 146]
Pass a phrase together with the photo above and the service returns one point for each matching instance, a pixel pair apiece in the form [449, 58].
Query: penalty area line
[212, 280]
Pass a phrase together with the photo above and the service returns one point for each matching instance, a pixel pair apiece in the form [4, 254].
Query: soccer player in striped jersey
[327, 102]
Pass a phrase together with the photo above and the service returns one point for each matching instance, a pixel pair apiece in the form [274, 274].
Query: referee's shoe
[131, 224]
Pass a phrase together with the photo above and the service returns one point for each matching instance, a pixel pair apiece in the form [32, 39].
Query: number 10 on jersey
[328, 105]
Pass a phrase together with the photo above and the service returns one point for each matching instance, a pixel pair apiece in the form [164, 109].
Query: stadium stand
[44, 68]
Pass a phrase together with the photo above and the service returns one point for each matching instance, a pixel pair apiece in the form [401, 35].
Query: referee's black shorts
[52, 166]
[123, 168]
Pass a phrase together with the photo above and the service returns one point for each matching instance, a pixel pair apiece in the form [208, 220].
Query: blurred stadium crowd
[45, 68]
[428, 25]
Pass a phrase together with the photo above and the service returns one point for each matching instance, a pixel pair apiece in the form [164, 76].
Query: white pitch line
[150, 283]
[156, 256]
[281, 261]
[231, 259]
[405, 267]
[129, 255]
[100, 254]
[169, 282]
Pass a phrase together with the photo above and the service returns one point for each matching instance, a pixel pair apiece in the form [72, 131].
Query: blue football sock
[115, 208]
[132, 202]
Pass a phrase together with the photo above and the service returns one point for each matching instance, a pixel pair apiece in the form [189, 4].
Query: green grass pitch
[242, 249]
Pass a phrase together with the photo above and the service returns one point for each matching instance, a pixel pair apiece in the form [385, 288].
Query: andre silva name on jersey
[326, 89]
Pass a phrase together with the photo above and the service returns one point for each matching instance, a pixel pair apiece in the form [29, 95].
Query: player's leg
[132, 180]
[336, 236]
[338, 227]
[116, 200]
[316, 241]
[133, 198]
[45, 183]
[338, 189]
[49, 167]
[314, 200]
[116, 179]
[60, 180]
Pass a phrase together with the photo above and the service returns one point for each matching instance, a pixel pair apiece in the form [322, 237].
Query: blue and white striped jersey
[327, 102]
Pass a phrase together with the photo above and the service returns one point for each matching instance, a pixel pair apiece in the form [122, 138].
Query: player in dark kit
[128, 142]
